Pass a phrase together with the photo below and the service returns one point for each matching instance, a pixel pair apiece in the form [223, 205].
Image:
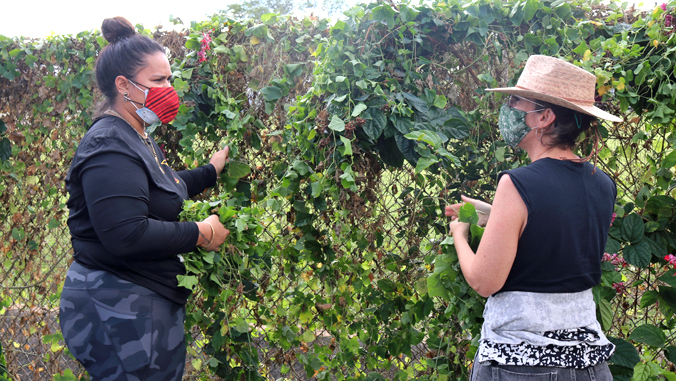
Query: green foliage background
[348, 138]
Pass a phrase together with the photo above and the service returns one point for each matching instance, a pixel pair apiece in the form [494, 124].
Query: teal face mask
[512, 124]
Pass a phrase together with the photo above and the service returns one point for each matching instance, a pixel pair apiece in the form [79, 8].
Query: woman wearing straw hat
[546, 231]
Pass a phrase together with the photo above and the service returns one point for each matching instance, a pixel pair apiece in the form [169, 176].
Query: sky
[41, 18]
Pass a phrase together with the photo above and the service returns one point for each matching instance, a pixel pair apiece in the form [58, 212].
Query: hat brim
[585, 109]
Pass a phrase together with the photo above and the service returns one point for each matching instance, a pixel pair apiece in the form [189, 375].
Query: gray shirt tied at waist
[516, 317]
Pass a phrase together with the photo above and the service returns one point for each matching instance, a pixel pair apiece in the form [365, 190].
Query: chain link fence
[390, 208]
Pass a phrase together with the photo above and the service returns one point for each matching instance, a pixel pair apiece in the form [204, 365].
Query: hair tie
[577, 121]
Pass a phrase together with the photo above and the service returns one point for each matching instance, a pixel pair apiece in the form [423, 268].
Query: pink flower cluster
[615, 259]
[620, 287]
[668, 20]
[612, 219]
[671, 259]
[202, 54]
[663, 6]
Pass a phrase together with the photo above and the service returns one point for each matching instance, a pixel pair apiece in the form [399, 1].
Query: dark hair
[568, 125]
[125, 55]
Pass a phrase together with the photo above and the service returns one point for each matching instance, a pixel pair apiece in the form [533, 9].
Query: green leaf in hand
[467, 213]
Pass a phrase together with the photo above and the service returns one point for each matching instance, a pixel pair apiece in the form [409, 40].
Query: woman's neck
[541, 152]
[129, 117]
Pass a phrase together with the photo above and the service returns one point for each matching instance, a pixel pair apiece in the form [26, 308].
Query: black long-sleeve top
[124, 208]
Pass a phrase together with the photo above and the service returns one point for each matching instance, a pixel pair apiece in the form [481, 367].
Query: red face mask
[163, 101]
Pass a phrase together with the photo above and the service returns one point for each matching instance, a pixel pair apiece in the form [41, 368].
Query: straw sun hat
[558, 82]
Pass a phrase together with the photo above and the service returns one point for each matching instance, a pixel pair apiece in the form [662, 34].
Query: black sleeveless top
[569, 214]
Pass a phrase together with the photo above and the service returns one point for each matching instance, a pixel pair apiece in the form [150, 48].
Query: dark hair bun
[117, 28]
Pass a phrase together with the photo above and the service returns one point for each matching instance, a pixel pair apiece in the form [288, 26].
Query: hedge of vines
[348, 138]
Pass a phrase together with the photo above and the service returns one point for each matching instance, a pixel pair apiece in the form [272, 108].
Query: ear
[546, 118]
[122, 84]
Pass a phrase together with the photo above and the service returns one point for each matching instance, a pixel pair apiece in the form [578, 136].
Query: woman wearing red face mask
[122, 310]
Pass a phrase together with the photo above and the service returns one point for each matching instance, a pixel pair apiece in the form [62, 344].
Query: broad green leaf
[337, 124]
[424, 163]
[421, 286]
[66, 376]
[271, 93]
[625, 354]
[317, 189]
[648, 334]
[648, 298]
[348, 146]
[3, 127]
[209, 257]
[669, 278]
[435, 287]
[638, 254]
[447, 241]
[632, 228]
[467, 213]
[308, 337]
[293, 70]
[376, 124]
[476, 232]
[385, 14]
[53, 223]
[303, 219]
[606, 312]
[656, 204]
[239, 54]
[613, 246]
[440, 101]
[269, 17]
[416, 102]
[457, 128]
[238, 170]
[670, 160]
[187, 281]
[656, 248]
[358, 109]
[402, 124]
[667, 296]
[529, 9]
[5, 149]
[500, 153]
[387, 285]
[226, 212]
[671, 353]
[18, 234]
[642, 372]
[429, 137]
[301, 167]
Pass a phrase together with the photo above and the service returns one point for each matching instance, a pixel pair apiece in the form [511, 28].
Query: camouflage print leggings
[119, 330]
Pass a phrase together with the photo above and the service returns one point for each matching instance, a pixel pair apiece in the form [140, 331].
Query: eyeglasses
[514, 99]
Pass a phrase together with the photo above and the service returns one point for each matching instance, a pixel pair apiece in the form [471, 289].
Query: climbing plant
[347, 140]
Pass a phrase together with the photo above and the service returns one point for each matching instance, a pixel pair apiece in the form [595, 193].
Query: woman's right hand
[483, 209]
[208, 239]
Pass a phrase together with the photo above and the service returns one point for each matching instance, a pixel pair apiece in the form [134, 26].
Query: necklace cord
[146, 139]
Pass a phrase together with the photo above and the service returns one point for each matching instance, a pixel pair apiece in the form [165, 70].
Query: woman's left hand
[219, 159]
[459, 229]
